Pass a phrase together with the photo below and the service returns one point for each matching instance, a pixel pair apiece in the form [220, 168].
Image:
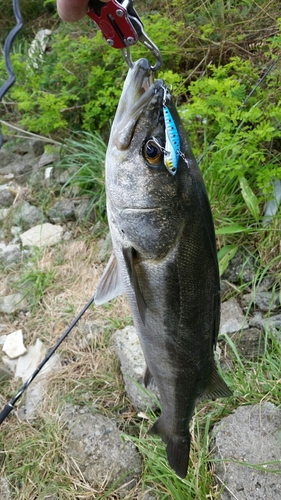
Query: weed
[84, 156]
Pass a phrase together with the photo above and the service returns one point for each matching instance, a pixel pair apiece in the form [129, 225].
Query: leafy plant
[240, 138]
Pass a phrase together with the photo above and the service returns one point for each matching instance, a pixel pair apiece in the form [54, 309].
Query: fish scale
[164, 258]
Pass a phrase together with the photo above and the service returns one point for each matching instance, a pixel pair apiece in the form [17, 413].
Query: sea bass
[164, 254]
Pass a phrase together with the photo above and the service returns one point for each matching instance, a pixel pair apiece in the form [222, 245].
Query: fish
[164, 255]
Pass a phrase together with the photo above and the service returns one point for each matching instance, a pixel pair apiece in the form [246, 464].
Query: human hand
[73, 10]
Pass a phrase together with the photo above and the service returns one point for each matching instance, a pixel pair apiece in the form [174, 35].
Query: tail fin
[177, 447]
[178, 454]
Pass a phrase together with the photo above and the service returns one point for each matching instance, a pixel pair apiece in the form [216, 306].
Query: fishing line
[10, 406]
[7, 48]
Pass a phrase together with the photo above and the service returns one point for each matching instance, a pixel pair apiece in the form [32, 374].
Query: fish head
[141, 192]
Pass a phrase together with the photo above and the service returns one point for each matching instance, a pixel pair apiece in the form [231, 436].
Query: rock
[9, 254]
[4, 212]
[85, 211]
[36, 147]
[11, 303]
[25, 367]
[4, 489]
[22, 168]
[13, 345]
[250, 343]
[101, 451]
[240, 268]
[272, 204]
[7, 158]
[6, 197]
[265, 301]
[128, 350]
[5, 375]
[269, 323]
[48, 158]
[104, 247]
[27, 216]
[249, 436]
[232, 318]
[63, 210]
[43, 234]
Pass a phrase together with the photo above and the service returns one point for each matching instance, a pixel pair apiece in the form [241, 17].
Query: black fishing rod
[10, 406]
[7, 48]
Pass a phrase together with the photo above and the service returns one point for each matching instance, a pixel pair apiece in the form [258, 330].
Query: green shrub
[245, 135]
[79, 82]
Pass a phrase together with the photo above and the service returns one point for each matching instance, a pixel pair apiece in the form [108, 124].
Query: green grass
[83, 156]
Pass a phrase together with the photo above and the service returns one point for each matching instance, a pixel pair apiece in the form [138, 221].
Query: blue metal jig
[172, 140]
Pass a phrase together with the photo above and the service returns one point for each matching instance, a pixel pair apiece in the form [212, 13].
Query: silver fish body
[164, 259]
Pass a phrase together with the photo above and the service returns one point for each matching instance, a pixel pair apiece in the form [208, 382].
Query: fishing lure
[172, 139]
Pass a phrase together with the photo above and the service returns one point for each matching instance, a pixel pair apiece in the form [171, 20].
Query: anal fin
[216, 387]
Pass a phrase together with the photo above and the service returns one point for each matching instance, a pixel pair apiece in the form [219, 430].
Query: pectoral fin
[129, 261]
[110, 284]
[216, 388]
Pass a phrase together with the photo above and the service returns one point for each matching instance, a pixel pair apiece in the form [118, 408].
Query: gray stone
[6, 178]
[104, 249]
[6, 159]
[61, 176]
[63, 210]
[250, 343]
[4, 213]
[48, 158]
[36, 147]
[85, 211]
[265, 301]
[4, 489]
[42, 235]
[272, 204]
[269, 323]
[100, 450]
[6, 197]
[11, 303]
[249, 436]
[10, 254]
[5, 375]
[232, 318]
[241, 268]
[23, 169]
[128, 350]
[26, 366]
[27, 216]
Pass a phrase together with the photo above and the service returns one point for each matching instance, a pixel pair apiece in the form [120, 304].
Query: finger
[73, 10]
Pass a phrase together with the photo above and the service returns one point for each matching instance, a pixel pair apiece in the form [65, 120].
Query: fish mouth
[139, 89]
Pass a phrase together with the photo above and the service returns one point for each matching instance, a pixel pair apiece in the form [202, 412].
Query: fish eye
[153, 151]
